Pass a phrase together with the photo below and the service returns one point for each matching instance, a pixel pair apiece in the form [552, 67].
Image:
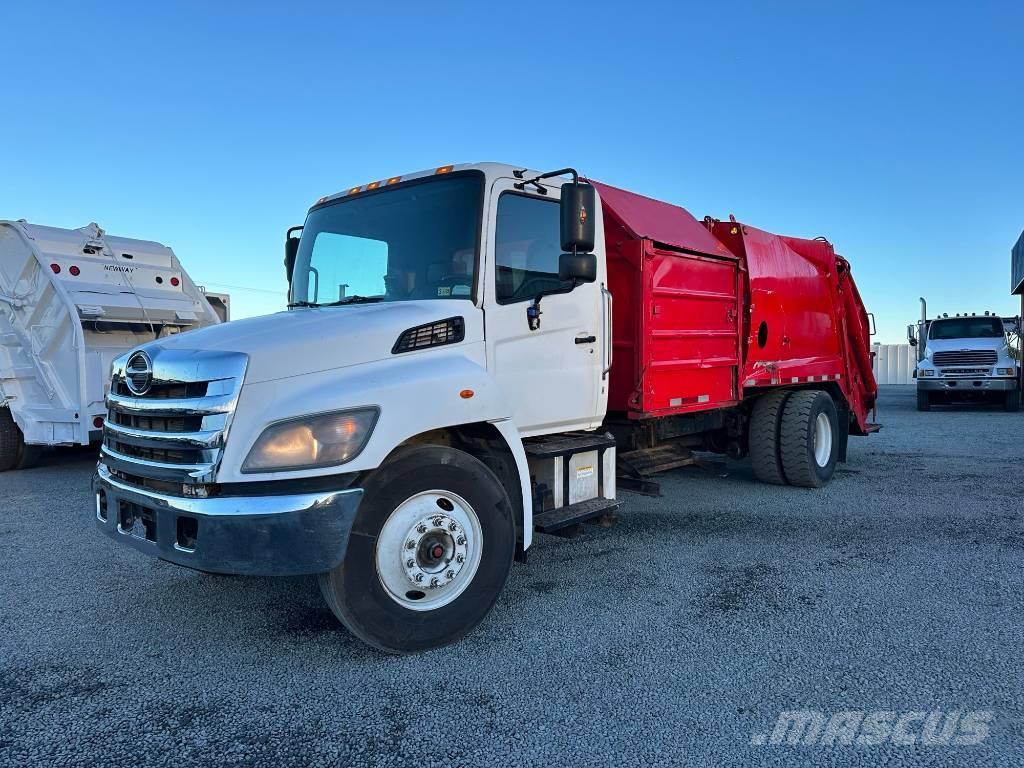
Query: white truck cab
[388, 431]
[965, 357]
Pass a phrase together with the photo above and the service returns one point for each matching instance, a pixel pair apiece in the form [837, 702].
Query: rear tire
[764, 437]
[1012, 401]
[924, 401]
[14, 453]
[441, 500]
[809, 438]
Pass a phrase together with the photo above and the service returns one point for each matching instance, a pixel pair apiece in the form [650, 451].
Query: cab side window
[527, 247]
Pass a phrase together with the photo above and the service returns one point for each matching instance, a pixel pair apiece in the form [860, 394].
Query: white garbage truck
[450, 378]
[965, 357]
[72, 300]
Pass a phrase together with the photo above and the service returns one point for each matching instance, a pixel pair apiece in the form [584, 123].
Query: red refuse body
[708, 313]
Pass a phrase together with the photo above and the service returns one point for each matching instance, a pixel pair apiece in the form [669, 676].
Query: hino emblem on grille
[138, 373]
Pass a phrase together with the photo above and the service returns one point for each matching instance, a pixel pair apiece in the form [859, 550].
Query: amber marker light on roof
[372, 185]
[445, 169]
[354, 190]
[394, 180]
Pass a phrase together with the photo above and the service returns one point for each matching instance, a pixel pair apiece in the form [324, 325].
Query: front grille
[972, 357]
[964, 371]
[173, 433]
[168, 391]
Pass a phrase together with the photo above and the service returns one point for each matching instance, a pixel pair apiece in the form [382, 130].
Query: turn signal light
[445, 169]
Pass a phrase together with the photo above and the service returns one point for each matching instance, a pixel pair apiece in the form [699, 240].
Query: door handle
[586, 339]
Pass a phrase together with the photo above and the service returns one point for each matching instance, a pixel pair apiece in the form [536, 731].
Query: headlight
[311, 442]
[1005, 372]
[926, 372]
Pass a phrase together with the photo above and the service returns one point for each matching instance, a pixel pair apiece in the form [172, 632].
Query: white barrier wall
[894, 363]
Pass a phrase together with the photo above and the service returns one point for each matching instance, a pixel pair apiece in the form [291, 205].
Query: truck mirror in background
[291, 250]
[580, 267]
[911, 336]
[578, 204]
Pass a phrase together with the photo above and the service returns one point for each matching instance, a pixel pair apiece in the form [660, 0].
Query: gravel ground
[675, 637]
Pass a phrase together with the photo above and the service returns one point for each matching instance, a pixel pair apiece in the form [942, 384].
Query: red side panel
[676, 318]
[690, 351]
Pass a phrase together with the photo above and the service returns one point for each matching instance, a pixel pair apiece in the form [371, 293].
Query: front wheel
[1012, 401]
[430, 551]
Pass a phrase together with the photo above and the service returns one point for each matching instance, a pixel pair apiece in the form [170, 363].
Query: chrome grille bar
[199, 406]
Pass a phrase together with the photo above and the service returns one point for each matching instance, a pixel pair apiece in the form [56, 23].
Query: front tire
[924, 401]
[1012, 401]
[430, 551]
[809, 438]
[14, 452]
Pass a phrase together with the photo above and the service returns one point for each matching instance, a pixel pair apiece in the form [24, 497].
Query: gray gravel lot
[672, 638]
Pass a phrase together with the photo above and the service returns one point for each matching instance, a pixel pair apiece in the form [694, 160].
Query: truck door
[553, 376]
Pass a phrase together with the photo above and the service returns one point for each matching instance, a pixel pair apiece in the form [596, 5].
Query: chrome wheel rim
[822, 440]
[429, 550]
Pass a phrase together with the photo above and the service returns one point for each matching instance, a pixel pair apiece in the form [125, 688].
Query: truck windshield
[417, 241]
[966, 328]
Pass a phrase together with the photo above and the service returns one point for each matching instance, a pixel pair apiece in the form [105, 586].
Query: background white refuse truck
[965, 357]
[444, 385]
[71, 300]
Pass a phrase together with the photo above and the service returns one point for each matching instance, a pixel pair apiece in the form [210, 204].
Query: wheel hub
[439, 543]
[429, 549]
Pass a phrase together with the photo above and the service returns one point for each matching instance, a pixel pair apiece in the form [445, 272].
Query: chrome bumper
[246, 535]
[964, 385]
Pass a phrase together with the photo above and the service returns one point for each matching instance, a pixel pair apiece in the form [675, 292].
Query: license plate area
[136, 520]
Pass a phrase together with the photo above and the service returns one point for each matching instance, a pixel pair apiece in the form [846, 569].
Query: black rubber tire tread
[353, 590]
[924, 400]
[1012, 401]
[796, 441]
[763, 438]
[14, 454]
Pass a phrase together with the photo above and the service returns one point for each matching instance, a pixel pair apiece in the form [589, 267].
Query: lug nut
[419, 577]
[461, 540]
[410, 544]
[434, 582]
[410, 563]
[460, 558]
[437, 521]
[421, 528]
[453, 526]
[450, 575]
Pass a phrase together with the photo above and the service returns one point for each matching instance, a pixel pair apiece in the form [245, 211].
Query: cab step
[555, 520]
[548, 447]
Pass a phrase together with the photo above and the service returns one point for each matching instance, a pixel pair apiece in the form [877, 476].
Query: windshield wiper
[303, 304]
[353, 300]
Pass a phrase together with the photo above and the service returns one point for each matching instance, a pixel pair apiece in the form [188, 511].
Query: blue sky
[895, 129]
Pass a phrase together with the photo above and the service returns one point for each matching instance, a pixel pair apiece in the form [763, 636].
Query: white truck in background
[965, 357]
[72, 300]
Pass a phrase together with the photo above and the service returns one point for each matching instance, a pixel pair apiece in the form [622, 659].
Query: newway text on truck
[451, 377]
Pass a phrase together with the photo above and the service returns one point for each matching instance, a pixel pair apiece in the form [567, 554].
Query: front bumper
[965, 385]
[246, 535]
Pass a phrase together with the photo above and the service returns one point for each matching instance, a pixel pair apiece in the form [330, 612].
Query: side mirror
[291, 250]
[579, 267]
[579, 202]
[913, 342]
